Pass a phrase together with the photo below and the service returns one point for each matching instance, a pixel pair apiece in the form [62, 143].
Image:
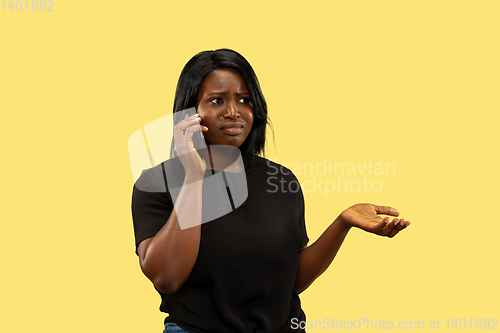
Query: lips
[232, 128]
[232, 125]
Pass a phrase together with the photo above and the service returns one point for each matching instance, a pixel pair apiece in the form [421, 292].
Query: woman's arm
[168, 258]
[315, 259]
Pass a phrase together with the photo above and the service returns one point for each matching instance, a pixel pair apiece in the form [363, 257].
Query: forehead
[222, 80]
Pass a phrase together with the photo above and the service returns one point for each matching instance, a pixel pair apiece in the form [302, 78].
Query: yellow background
[414, 83]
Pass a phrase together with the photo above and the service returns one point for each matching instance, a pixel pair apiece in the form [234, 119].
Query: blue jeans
[173, 328]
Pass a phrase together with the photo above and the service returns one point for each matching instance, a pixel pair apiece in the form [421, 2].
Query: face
[224, 94]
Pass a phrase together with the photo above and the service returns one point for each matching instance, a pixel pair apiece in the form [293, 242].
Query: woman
[242, 271]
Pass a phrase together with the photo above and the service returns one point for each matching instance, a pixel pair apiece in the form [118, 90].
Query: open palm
[366, 217]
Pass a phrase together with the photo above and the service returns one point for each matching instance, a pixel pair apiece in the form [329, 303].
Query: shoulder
[272, 167]
[153, 179]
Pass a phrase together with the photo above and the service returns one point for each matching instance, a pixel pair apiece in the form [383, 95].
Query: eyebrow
[225, 93]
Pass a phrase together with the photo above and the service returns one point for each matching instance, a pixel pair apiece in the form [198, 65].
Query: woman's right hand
[194, 165]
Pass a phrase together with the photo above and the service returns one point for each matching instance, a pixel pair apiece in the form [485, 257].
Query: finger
[386, 231]
[188, 134]
[182, 125]
[398, 226]
[394, 232]
[187, 138]
[402, 225]
[188, 121]
[386, 210]
[378, 227]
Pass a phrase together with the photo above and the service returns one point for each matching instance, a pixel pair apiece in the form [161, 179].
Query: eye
[215, 100]
[245, 101]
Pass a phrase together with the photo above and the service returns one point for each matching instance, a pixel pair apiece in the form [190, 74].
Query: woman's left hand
[365, 216]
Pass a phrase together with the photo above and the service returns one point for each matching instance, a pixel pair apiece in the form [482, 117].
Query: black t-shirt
[243, 278]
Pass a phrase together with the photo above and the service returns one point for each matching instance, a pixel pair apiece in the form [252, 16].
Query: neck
[222, 158]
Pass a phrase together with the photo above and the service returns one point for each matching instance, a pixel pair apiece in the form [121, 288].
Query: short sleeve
[300, 204]
[151, 206]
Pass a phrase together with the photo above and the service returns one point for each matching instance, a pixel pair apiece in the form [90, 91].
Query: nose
[231, 111]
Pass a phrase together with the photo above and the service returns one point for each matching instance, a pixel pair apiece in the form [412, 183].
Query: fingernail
[396, 223]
